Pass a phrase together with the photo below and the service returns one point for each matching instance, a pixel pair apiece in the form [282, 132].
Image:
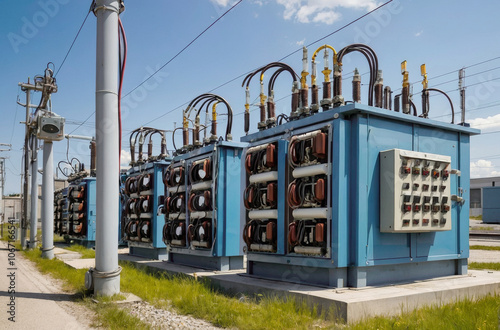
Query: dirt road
[35, 301]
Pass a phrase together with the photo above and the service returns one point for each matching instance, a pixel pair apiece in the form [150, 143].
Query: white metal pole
[107, 272]
[48, 202]
[34, 194]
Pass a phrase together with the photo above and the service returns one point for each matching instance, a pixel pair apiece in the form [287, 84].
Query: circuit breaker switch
[405, 170]
[416, 171]
[425, 171]
[445, 174]
[435, 174]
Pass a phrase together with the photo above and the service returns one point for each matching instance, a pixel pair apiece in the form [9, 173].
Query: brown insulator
[185, 137]
[314, 95]
[337, 84]
[140, 153]
[295, 101]
[196, 134]
[163, 147]
[150, 149]
[387, 98]
[247, 122]
[214, 128]
[379, 92]
[304, 97]
[271, 109]
[327, 90]
[93, 155]
[262, 108]
[397, 102]
[356, 91]
[406, 100]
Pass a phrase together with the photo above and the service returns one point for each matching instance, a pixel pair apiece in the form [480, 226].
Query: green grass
[477, 217]
[482, 228]
[86, 253]
[484, 265]
[190, 296]
[197, 298]
[482, 313]
[484, 247]
[108, 315]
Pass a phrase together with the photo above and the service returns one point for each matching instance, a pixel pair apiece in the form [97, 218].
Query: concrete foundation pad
[63, 254]
[349, 304]
[80, 263]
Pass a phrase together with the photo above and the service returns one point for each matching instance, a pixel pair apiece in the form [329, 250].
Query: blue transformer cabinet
[491, 208]
[81, 206]
[144, 220]
[357, 196]
[61, 211]
[202, 207]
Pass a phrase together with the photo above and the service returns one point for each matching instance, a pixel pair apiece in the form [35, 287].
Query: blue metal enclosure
[202, 207]
[144, 220]
[78, 217]
[319, 181]
[491, 204]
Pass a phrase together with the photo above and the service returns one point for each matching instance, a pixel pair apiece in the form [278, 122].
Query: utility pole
[51, 131]
[106, 275]
[27, 88]
[48, 201]
[461, 87]
[34, 193]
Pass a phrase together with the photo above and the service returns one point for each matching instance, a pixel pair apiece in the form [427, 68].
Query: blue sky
[446, 35]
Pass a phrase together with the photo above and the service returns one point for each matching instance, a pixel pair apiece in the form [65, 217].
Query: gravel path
[164, 319]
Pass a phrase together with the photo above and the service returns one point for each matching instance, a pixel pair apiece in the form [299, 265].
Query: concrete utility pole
[27, 88]
[106, 275]
[48, 202]
[34, 193]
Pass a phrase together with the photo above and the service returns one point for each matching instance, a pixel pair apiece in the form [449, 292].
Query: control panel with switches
[414, 191]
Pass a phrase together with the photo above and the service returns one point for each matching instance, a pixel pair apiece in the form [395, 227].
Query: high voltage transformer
[353, 195]
[75, 210]
[143, 196]
[202, 203]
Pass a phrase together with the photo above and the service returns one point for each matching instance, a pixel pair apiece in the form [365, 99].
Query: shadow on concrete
[42, 296]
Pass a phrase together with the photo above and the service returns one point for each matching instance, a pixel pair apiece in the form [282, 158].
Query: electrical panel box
[414, 192]
[50, 128]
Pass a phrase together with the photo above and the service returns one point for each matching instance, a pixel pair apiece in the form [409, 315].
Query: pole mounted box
[414, 192]
[50, 128]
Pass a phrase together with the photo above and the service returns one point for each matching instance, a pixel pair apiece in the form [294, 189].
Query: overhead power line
[281, 59]
[74, 40]
[185, 47]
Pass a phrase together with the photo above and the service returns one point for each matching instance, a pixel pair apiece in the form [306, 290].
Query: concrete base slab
[349, 304]
[80, 263]
[130, 298]
[63, 254]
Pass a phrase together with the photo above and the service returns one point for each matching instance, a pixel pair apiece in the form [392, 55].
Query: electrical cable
[185, 47]
[300, 49]
[121, 35]
[74, 40]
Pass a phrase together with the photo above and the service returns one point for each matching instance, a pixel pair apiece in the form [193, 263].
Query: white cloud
[300, 42]
[125, 158]
[419, 33]
[483, 169]
[321, 11]
[222, 3]
[488, 123]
